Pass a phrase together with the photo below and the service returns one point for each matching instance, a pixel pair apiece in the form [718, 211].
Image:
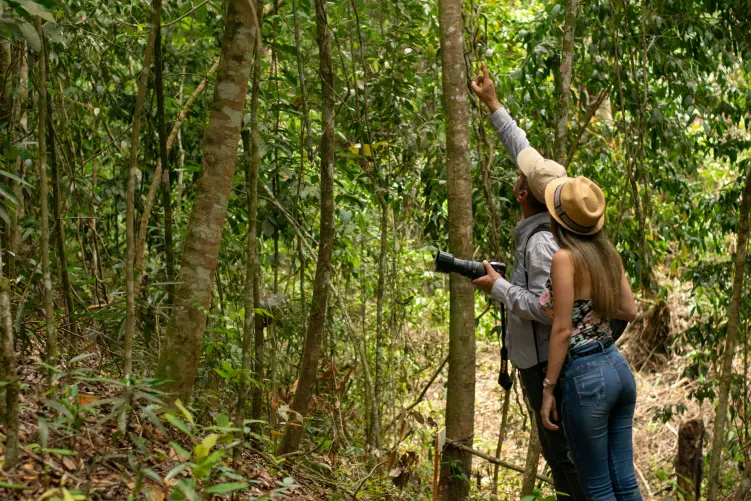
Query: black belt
[599, 348]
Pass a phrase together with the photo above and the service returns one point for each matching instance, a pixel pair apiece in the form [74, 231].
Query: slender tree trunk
[718, 435]
[502, 433]
[312, 349]
[56, 216]
[564, 90]
[49, 314]
[380, 289]
[179, 358]
[130, 317]
[20, 120]
[146, 214]
[250, 334]
[533, 458]
[164, 159]
[12, 389]
[460, 394]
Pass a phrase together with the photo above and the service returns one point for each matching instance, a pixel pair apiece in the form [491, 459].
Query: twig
[354, 495]
[191, 11]
[499, 462]
[643, 479]
[419, 398]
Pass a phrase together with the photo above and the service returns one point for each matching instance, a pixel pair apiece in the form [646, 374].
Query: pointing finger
[485, 70]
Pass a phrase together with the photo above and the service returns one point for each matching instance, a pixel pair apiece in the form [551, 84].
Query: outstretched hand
[548, 410]
[485, 283]
[484, 87]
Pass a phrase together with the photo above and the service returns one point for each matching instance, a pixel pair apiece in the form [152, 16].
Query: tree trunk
[378, 385]
[179, 360]
[718, 435]
[12, 389]
[502, 433]
[130, 317]
[533, 458]
[146, 214]
[20, 121]
[59, 225]
[564, 90]
[253, 164]
[690, 459]
[460, 395]
[312, 348]
[164, 159]
[49, 314]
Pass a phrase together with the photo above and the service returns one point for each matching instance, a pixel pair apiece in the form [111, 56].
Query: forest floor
[86, 453]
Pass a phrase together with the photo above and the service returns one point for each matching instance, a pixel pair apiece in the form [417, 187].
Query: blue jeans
[599, 397]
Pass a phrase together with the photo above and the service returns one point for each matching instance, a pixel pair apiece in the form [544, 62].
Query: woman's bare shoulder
[563, 258]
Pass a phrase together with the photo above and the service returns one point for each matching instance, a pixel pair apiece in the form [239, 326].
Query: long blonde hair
[594, 258]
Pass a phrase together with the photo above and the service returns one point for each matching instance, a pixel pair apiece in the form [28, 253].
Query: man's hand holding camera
[485, 283]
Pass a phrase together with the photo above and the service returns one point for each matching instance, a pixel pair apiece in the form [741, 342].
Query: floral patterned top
[587, 326]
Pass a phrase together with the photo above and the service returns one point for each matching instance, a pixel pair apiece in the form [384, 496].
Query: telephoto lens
[447, 263]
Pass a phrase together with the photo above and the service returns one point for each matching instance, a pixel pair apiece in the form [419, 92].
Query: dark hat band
[561, 212]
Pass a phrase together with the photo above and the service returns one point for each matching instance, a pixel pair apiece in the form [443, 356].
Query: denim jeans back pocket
[590, 387]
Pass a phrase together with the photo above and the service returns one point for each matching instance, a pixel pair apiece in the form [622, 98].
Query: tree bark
[148, 203]
[502, 433]
[564, 90]
[689, 461]
[718, 435]
[12, 389]
[312, 348]
[250, 334]
[49, 315]
[56, 216]
[460, 396]
[533, 458]
[179, 360]
[130, 318]
[20, 120]
[164, 159]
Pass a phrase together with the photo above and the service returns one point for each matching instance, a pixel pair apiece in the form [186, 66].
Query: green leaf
[202, 450]
[185, 411]
[8, 485]
[225, 488]
[222, 420]
[35, 9]
[80, 358]
[178, 423]
[7, 193]
[175, 471]
[62, 452]
[14, 177]
[59, 408]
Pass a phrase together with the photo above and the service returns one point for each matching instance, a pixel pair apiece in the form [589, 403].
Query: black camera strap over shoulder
[504, 379]
[544, 226]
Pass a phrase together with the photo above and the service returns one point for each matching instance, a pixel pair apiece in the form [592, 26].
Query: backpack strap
[544, 226]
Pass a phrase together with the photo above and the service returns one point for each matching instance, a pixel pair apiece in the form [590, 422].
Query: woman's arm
[562, 279]
[627, 308]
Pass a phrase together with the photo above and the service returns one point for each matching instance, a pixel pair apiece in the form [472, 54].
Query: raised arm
[512, 137]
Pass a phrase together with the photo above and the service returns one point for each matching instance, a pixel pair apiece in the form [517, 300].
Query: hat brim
[550, 203]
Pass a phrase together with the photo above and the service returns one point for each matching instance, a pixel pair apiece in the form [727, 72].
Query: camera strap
[503, 376]
[545, 226]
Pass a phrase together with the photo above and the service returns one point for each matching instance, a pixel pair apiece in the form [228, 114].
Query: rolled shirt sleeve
[525, 303]
[512, 137]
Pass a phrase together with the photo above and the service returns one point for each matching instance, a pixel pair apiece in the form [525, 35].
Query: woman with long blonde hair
[588, 288]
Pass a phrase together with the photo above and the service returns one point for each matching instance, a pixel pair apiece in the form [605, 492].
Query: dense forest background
[218, 221]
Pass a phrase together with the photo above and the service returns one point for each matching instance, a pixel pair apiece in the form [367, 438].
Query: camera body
[447, 263]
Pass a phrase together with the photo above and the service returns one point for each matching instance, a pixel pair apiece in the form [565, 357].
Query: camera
[447, 263]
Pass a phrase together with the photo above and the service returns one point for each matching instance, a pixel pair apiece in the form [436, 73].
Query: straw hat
[538, 170]
[577, 204]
